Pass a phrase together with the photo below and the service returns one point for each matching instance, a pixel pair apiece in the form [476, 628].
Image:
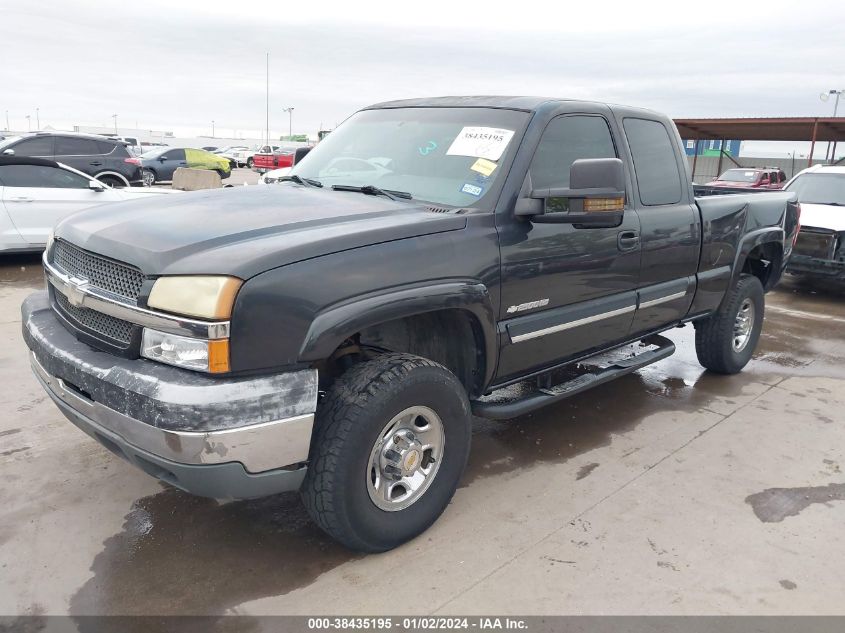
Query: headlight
[189, 353]
[198, 296]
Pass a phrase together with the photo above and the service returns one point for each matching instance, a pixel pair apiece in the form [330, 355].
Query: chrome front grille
[114, 277]
[106, 325]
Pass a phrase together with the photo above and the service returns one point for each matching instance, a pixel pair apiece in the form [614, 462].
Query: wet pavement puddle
[776, 504]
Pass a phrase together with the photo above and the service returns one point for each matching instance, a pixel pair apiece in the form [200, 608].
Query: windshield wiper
[308, 182]
[370, 190]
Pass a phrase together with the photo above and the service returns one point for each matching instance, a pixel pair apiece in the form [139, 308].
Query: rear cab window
[655, 164]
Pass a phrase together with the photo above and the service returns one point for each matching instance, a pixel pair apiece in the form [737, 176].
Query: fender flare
[338, 322]
[115, 174]
[750, 241]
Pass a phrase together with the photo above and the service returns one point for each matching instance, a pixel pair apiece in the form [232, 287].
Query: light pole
[212, 128]
[7, 120]
[290, 122]
[28, 123]
[37, 119]
[268, 98]
[114, 116]
[824, 97]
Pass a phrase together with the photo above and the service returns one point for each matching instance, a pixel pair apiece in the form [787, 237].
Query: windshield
[739, 175]
[449, 156]
[819, 188]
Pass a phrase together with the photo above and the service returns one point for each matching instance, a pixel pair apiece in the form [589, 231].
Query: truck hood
[244, 231]
[823, 216]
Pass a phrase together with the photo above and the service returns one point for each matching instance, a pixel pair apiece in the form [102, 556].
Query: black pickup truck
[334, 332]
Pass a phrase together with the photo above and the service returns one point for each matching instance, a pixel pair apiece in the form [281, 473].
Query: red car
[751, 178]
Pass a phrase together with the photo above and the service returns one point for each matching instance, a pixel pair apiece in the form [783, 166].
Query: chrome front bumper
[225, 438]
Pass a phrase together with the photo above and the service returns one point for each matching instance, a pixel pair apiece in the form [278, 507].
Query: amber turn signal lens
[218, 356]
[604, 204]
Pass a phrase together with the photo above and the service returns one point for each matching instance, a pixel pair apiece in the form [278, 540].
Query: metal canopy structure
[774, 129]
[811, 129]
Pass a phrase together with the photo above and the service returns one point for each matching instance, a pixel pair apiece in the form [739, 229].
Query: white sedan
[37, 193]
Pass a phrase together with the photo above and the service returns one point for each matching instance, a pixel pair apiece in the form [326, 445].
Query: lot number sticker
[481, 142]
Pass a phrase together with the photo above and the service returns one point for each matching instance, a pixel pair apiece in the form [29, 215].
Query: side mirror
[96, 185]
[162, 159]
[8, 152]
[595, 196]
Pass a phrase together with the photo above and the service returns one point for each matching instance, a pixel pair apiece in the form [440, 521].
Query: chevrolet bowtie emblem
[75, 291]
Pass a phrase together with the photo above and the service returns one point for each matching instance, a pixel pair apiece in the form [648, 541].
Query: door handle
[628, 240]
[21, 199]
[95, 163]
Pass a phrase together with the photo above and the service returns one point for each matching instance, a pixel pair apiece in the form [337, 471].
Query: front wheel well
[451, 337]
[764, 262]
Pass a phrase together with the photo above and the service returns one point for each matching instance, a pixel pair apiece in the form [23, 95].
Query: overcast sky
[178, 65]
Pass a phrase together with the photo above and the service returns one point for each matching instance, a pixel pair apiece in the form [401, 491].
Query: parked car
[334, 334]
[229, 153]
[272, 176]
[243, 156]
[210, 148]
[105, 159]
[820, 248]
[36, 193]
[267, 160]
[160, 164]
[750, 178]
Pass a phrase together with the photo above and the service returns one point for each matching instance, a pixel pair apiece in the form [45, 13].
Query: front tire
[725, 341]
[149, 177]
[250, 162]
[390, 444]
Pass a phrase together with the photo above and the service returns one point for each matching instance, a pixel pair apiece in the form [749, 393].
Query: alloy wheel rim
[743, 325]
[405, 458]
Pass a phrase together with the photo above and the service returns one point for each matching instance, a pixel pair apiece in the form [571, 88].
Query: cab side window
[565, 140]
[37, 146]
[655, 165]
[69, 146]
[41, 176]
[174, 154]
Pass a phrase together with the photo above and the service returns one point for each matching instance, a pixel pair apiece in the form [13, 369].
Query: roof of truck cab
[527, 104]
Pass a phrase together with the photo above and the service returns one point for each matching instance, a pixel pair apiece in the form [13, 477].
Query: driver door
[170, 161]
[565, 288]
[36, 197]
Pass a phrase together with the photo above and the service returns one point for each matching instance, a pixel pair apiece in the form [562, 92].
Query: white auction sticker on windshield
[481, 142]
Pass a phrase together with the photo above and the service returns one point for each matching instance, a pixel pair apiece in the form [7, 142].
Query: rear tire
[350, 491]
[725, 341]
[112, 181]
